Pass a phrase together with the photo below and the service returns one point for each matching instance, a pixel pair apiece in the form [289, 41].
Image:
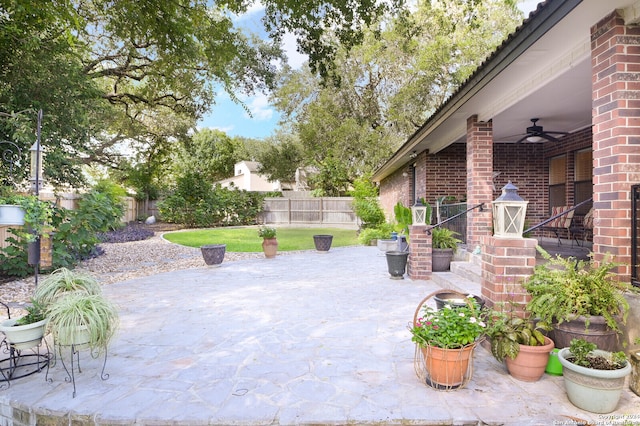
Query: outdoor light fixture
[419, 213]
[413, 155]
[509, 211]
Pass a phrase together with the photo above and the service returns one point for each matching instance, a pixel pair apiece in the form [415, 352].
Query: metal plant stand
[74, 354]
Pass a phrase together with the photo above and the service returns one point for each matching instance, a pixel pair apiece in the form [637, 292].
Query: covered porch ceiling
[543, 71]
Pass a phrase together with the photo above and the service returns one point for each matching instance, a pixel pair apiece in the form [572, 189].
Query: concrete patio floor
[305, 338]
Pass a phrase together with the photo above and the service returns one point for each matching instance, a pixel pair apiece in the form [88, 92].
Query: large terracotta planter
[270, 247]
[597, 391]
[598, 332]
[531, 361]
[448, 368]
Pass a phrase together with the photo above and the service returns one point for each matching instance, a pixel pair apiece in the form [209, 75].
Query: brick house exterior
[588, 84]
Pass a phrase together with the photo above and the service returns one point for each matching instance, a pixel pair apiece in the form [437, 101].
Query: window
[583, 185]
[557, 181]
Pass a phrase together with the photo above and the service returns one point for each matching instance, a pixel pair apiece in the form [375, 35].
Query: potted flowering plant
[269, 241]
[519, 342]
[446, 339]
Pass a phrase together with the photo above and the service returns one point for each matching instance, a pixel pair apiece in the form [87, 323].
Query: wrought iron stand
[74, 353]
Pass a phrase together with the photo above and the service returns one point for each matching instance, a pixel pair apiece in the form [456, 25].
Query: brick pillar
[506, 264]
[419, 263]
[615, 57]
[479, 179]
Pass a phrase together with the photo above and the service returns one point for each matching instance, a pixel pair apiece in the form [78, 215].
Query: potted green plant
[27, 331]
[63, 281]
[77, 312]
[444, 244]
[446, 339]
[593, 378]
[519, 343]
[269, 241]
[83, 320]
[581, 299]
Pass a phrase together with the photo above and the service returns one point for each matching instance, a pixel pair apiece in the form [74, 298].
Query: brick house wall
[615, 52]
[395, 188]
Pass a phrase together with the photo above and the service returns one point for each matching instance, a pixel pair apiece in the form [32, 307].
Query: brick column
[615, 57]
[419, 263]
[479, 178]
[506, 264]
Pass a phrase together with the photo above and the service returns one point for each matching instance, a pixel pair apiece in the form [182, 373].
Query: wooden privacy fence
[317, 210]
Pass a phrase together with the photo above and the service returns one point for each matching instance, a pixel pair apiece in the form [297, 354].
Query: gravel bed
[124, 261]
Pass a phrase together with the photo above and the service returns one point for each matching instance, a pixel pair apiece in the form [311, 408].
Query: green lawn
[247, 240]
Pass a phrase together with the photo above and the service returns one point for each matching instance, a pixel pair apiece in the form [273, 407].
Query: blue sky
[232, 119]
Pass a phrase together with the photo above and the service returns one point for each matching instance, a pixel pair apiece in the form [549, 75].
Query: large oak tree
[116, 77]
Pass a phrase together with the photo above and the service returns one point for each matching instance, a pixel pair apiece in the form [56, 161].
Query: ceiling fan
[536, 133]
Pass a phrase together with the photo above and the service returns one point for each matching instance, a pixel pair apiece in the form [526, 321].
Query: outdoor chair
[584, 230]
[561, 223]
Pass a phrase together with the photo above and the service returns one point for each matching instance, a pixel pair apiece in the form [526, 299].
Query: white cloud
[289, 44]
[259, 107]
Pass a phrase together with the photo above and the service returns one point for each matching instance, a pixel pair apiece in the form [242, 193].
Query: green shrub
[208, 206]
[365, 203]
[382, 232]
[76, 233]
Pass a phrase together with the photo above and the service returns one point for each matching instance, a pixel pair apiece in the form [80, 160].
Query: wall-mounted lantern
[509, 211]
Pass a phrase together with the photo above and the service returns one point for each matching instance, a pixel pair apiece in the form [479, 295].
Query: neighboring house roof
[251, 165]
[542, 70]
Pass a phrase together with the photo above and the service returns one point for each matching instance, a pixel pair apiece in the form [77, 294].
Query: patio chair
[583, 230]
[562, 222]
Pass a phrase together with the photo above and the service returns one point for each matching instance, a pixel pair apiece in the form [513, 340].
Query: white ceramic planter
[11, 215]
[597, 391]
[23, 336]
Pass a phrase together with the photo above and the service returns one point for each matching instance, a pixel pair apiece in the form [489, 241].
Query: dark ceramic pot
[323, 242]
[397, 263]
[213, 254]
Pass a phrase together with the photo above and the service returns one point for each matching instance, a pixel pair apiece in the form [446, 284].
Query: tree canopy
[391, 83]
[116, 76]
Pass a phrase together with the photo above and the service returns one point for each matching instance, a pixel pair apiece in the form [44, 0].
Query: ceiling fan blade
[548, 137]
[522, 138]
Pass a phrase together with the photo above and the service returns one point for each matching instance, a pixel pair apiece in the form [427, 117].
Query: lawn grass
[246, 239]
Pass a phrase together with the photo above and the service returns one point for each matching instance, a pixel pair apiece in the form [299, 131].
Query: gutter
[546, 16]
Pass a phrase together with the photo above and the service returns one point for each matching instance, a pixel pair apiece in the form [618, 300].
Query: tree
[211, 154]
[390, 84]
[280, 157]
[112, 76]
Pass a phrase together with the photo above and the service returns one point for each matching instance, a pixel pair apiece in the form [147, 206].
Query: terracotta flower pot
[270, 247]
[531, 361]
[448, 368]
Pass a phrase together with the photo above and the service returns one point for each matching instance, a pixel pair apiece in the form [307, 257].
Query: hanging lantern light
[509, 211]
